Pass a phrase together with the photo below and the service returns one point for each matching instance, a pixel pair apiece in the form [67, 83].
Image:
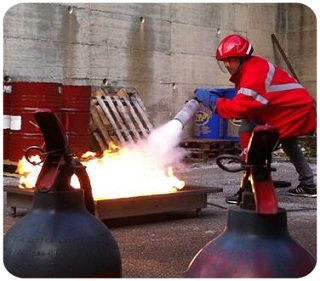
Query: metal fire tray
[18, 198]
[189, 198]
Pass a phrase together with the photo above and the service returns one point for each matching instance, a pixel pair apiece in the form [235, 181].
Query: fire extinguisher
[60, 237]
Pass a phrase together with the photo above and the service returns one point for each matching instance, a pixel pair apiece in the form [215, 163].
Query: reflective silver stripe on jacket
[253, 94]
[269, 88]
[281, 87]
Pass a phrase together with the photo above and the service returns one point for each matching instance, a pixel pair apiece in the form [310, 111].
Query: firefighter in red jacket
[266, 94]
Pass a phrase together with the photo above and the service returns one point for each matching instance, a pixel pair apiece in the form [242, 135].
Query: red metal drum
[75, 116]
[26, 98]
[7, 89]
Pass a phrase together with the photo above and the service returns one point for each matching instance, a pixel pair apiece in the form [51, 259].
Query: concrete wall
[165, 57]
[297, 30]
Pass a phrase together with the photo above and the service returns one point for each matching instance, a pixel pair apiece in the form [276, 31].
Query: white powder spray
[161, 146]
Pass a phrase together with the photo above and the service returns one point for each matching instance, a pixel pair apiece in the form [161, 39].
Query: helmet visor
[221, 66]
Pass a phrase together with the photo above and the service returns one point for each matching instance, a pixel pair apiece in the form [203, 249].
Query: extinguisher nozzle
[187, 112]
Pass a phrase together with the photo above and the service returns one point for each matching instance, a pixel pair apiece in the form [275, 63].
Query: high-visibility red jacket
[266, 94]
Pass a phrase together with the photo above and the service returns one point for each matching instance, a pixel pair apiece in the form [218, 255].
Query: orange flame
[118, 173]
[28, 172]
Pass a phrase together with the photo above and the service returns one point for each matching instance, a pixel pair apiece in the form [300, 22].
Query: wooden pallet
[206, 149]
[118, 116]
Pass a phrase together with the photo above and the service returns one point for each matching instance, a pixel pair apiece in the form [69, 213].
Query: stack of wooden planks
[118, 116]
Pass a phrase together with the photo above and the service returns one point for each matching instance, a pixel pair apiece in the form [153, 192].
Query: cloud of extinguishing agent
[163, 144]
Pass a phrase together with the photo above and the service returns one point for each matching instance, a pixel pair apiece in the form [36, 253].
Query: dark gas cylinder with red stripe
[255, 243]
[60, 237]
[252, 246]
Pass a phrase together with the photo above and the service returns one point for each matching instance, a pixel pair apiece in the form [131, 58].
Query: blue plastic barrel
[207, 124]
[210, 125]
[230, 126]
[231, 129]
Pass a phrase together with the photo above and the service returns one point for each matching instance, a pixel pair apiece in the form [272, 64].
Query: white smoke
[162, 145]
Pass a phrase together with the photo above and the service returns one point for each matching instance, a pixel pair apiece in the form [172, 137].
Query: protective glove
[209, 99]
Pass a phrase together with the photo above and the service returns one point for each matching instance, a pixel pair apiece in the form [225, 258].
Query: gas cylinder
[60, 237]
[252, 246]
[255, 242]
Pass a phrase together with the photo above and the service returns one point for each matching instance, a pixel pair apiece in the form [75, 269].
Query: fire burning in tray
[144, 168]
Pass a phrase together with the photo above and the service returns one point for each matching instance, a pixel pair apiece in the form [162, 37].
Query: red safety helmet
[233, 46]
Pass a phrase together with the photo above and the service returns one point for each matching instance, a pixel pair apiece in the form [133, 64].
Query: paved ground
[162, 246]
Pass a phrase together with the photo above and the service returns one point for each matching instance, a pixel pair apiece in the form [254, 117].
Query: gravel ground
[162, 246]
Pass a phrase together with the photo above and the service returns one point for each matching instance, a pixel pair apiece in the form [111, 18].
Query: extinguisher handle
[258, 161]
[52, 130]
[59, 165]
[56, 157]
